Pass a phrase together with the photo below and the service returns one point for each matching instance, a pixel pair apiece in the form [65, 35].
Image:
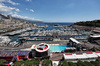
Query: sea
[53, 23]
[50, 25]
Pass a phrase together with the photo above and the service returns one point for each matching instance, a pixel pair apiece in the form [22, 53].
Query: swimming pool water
[58, 47]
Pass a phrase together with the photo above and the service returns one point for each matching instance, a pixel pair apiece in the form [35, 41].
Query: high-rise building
[9, 16]
[0, 17]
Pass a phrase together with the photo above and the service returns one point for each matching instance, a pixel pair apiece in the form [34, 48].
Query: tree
[88, 63]
[28, 63]
[18, 63]
[32, 62]
[2, 61]
[95, 63]
[72, 64]
[80, 63]
[36, 61]
[63, 63]
[46, 62]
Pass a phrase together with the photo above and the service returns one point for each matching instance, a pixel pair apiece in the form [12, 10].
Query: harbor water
[50, 28]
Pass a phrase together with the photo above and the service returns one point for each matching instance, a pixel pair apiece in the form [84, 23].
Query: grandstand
[13, 55]
[88, 56]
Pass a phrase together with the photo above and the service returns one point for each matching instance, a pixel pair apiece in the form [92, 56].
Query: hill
[8, 23]
[94, 23]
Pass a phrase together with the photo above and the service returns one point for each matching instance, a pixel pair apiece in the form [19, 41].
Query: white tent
[81, 56]
[97, 53]
[70, 57]
[91, 56]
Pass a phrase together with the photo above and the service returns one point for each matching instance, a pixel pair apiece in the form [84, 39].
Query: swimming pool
[58, 47]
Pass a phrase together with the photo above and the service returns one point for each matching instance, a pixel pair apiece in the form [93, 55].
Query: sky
[52, 10]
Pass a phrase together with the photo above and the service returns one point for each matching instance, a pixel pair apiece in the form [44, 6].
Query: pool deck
[57, 44]
[55, 51]
[56, 56]
[53, 44]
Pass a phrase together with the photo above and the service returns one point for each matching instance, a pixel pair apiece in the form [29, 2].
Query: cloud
[25, 17]
[26, 8]
[7, 9]
[9, 1]
[28, 0]
[22, 17]
[13, 11]
[31, 10]
[13, 3]
[17, 10]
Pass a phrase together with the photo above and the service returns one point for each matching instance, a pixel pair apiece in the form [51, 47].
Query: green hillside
[94, 23]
